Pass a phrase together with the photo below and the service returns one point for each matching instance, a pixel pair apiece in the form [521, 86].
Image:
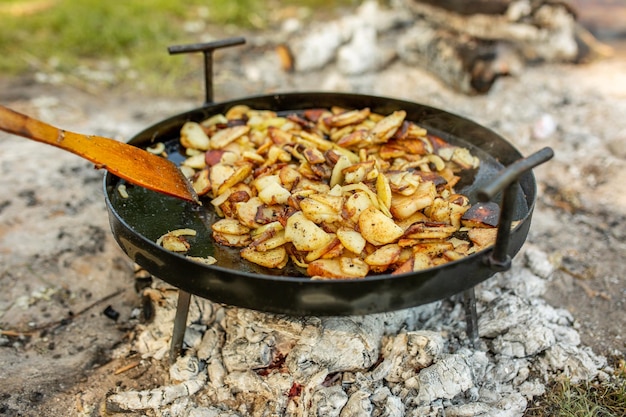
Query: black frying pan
[138, 221]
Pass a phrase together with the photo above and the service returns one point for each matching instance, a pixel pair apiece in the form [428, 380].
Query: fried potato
[304, 234]
[377, 228]
[341, 192]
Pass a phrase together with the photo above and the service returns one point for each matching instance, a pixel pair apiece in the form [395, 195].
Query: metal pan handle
[499, 259]
[207, 49]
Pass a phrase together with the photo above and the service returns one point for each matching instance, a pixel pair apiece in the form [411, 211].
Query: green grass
[589, 399]
[131, 37]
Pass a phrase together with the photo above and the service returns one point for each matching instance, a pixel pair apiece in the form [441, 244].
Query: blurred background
[95, 44]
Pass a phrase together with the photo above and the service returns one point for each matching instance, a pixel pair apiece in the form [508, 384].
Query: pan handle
[499, 259]
[207, 49]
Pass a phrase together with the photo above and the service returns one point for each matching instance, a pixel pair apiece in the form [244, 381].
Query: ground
[63, 276]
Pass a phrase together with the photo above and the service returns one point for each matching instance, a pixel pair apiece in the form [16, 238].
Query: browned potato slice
[429, 230]
[377, 228]
[304, 234]
[201, 183]
[482, 237]
[332, 246]
[416, 262]
[273, 258]
[432, 249]
[386, 127]
[347, 118]
[403, 206]
[289, 176]
[359, 172]
[384, 256]
[326, 269]
[337, 268]
[247, 211]
[232, 240]
[240, 174]
[271, 242]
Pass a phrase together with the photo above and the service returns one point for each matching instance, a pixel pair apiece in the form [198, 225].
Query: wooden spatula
[133, 164]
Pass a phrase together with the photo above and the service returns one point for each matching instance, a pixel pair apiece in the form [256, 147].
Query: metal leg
[180, 324]
[471, 317]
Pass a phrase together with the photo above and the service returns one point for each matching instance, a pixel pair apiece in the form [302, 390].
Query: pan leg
[471, 317]
[180, 324]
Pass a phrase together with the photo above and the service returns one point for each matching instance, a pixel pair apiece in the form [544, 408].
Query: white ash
[414, 362]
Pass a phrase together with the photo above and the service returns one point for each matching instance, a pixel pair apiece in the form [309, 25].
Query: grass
[589, 399]
[112, 42]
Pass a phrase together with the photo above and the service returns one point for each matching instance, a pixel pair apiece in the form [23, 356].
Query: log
[468, 44]
[466, 64]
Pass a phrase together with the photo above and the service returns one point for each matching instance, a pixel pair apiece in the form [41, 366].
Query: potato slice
[355, 204]
[240, 174]
[304, 234]
[196, 161]
[201, 183]
[377, 228]
[227, 239]
[225, 136]
[417, 262]
[218, 175]
[325, 269]
[429, 230]
[483, 237]
[383, 190]
[353, 267]
[385, 128]
[273, 192]
[230, 227]
[337, 268]
[319, 212]
[351, 240]
[175, 243]
[192, 135]
[247, 210]
[384, 256]
[332, 246]
[274, 258]
[337, 176]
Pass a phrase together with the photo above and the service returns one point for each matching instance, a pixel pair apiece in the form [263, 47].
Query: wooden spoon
[133, 164]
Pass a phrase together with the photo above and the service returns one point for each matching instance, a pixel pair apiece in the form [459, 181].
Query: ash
[414, 362]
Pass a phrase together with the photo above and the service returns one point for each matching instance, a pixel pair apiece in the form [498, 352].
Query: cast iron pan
[138, 221]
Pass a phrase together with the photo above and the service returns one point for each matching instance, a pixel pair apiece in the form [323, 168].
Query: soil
[69, 303]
